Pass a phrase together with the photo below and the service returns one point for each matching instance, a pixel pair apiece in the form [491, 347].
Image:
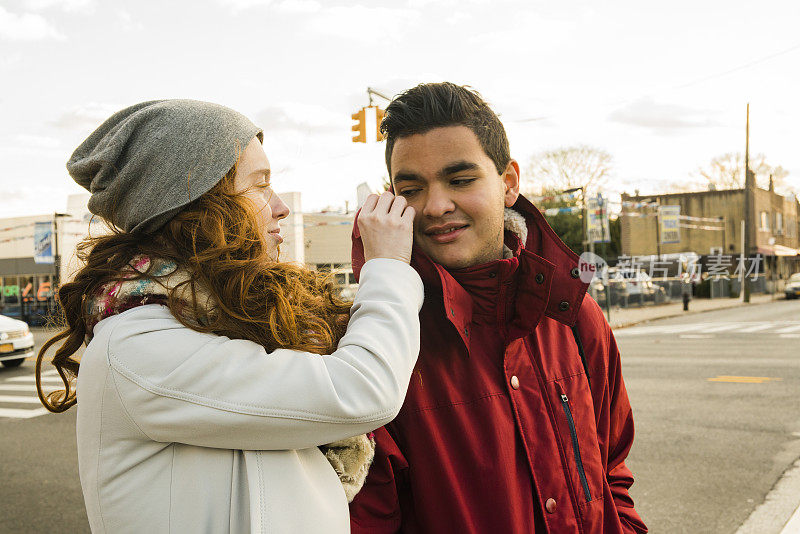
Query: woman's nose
[279, 208]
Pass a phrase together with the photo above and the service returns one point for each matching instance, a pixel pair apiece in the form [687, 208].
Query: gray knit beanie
[148, 161]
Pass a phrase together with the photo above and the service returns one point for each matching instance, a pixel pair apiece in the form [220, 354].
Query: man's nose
[279, 208]
[437, 204]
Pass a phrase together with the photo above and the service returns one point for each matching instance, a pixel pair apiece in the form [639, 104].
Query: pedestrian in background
[222, 390]
[516, 418]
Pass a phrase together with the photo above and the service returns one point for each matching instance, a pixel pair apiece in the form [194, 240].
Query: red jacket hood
[544, 252]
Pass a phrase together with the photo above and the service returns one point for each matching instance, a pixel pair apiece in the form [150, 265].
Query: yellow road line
[743, 379]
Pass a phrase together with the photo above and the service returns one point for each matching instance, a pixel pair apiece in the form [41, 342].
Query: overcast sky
[662, 86]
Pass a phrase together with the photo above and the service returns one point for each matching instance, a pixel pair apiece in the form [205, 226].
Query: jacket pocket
[576, 449]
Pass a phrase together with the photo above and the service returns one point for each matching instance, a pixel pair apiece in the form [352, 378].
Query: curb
[682, 313]
[780, 511]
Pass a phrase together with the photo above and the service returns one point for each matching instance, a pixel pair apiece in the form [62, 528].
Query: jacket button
[563, 305]
[574, 273]
[550, 506]
[539, 278]
[515, 382]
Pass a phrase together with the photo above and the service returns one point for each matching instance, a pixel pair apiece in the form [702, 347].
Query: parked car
[628, 282]
[792, 289]
[16, 341]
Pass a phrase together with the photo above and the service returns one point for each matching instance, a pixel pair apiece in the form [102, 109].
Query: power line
[680, 86]
[740, 67]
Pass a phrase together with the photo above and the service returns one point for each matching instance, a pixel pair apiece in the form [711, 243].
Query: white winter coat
[180, 431]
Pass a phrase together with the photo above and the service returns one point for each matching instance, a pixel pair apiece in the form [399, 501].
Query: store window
[764, 221]
[10, 290]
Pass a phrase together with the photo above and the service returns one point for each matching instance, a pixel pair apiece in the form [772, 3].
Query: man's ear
[511, 183]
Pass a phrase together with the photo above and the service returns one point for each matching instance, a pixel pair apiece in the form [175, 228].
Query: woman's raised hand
[386, 225]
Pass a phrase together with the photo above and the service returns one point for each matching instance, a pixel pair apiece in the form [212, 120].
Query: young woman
[222, 390]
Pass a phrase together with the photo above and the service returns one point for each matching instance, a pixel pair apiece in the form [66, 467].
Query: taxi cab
[16, 341]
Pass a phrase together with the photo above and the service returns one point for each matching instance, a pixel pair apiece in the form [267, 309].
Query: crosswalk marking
[783, 328]
[674, 329]
[45, 379]
[722, 328]
[18, 387]
[756, 328]
[19, 399]
[26, 384]
[22, 414]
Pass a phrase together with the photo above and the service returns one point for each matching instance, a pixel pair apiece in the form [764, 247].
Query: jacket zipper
[575, 447]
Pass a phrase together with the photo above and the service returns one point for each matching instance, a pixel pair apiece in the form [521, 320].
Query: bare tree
[566, 168]
[727, 172]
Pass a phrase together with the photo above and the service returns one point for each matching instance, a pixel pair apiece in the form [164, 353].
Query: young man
[516, 418]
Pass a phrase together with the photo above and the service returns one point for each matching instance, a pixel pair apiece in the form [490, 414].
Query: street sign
[43, 242]
[668, 219]
[597, 227]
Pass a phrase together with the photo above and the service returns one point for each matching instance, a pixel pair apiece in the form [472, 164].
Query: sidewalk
[622, 317]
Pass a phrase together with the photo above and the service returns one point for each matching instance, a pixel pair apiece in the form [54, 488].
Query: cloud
[26, 27]
[645, 113]
[361, 23]
[84, 117]
[128, 23]
[307, 119]
[36, 141]
[10, 60]
[299, 6]
[239, 5]
[66, 5]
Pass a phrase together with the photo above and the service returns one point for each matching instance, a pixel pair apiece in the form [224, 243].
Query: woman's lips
[277, 235]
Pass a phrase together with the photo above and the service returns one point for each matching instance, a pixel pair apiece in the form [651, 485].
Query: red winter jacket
[501, 431]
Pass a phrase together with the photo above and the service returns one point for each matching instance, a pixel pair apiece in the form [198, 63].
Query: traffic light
[361, 126]
[379, 113]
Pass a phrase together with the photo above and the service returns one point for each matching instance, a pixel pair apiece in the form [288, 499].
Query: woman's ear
[511, 183]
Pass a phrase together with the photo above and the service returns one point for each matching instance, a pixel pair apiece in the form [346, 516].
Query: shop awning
[777, 250]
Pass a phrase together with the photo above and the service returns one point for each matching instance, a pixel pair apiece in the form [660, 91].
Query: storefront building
[29, 278]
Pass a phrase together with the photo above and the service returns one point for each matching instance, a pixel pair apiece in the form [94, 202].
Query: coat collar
[558, 293]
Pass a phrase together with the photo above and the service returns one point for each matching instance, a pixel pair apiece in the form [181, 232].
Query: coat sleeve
[376, 509]
[620, 440]
[179, 385]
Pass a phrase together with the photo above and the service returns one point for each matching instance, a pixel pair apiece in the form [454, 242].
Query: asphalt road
[40, 490]
[716, 399]
[706, 451]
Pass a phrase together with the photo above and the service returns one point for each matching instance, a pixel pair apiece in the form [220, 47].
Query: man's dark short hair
[436, 105]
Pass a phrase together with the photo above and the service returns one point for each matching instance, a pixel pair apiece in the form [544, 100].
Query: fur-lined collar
[515, 223]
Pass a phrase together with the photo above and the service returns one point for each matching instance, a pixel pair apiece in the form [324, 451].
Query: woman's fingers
[386, 224]
[398, 205]
[370, 203]
[408, 214]
[384, 203]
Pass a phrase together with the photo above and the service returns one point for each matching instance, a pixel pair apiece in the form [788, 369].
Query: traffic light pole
[749, 210]
[371, 92]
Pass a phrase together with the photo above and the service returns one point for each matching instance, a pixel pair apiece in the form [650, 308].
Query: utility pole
[749, 209]
[724, 226]
[658, 231]
[56, 255]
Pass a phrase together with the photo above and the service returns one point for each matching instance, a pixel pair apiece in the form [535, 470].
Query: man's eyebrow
[405, 177]
[457, 167]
